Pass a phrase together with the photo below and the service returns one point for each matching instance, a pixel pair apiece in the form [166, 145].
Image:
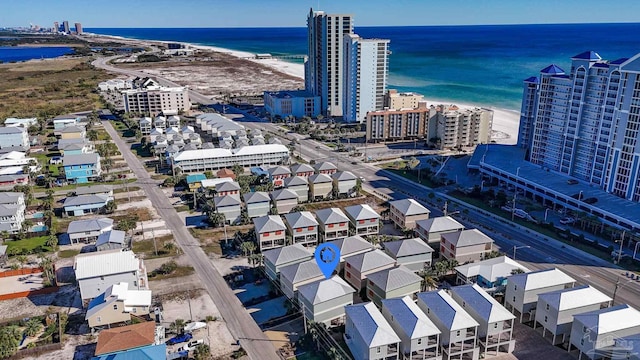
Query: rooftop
[105, 263]
[361, 212]
[301, 219]
[300, 168]
[295, 181]
[126, 337]
[369, 260]
[195, 178]
[541, 279]
[474, 297]
[256, 197]
[343, 176]
[80, 159]
[331, 216]
[268, 223]
[574, 298]
[287, 254]
[319, 179]
[283, 194]
[394, 278]
[467, 238]
[371, 325]
[93, 189]
[450, 313]
[111, 236]
[610, 319]
[324, 290]
[491, 269]
[324, 166]
[409, 207]
[79, 226]
[85, 200]
[352, 245]
[406, 247]
[217, 152]
[227, 186]
[414, 323]
[300, 272]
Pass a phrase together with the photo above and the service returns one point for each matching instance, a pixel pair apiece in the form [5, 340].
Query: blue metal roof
[552, 69]
[601, 65]
[152, 352]
[533, 79]
[587, 55]
[618, 61]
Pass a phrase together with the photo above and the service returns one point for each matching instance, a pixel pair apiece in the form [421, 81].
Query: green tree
[9, 340]
[52, 241]
[248, 247]
[429, 280]
[216, 219]
[110, 207]
[255, 259]
[201, 352]
[358, 188]
[32, 327]
[177, 326]
[92, 135]
[22, 260]
[237, 170]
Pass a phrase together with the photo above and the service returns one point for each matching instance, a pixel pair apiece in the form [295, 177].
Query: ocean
[17, 53]
[470, 64]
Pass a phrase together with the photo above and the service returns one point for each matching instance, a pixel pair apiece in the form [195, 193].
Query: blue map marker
[327, 257]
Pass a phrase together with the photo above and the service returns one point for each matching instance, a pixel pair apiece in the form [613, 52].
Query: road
[240, 323]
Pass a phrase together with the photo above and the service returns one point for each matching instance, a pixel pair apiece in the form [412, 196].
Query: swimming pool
[39, 228]
[38, 215]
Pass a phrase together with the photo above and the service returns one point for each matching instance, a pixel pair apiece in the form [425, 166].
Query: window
[360, 221]
[495, 326]
[343, 224]
[581, 341]
[458, 333]
[545, 318]
[310, 228]
[420, 341]
[299, 230]
[370, 292]
[349, 265]
[349, 275]
[515, 287]
[547, 307]
[330, 226]
[135, 310]
[279, 232]
[115, 306]
[379, 349]
[99, 319]
[514, 299]
[265, 234]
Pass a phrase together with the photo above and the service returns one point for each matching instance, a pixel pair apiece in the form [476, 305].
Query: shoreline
[505, 121]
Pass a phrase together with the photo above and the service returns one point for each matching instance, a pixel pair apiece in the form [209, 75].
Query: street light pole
[546, 212]
[515, 247]
[621, 245]
[513, 208]
[635, 250]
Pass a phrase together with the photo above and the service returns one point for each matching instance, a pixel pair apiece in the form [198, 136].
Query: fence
[23, 271]
[22, 294]
[36, 351]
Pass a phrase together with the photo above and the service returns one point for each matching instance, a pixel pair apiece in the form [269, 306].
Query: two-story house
[302, 170]
[88, 230]
[146, 124]
[333, 223]
[270, 232]
[277, 174]
[324, 301]
[298, 185]
[96, 271]
[276, 259]
[521, 294]
[458, 330]
[320, 186]
[419, 336]
[325, 167]
[405, 212]
[363, 219]
[227, 188]
[303, 228]
[62, 121]
[81, 168]
[137, 341]
[85, 204]
[230, 206]
[431, 230]
[555, 309]
[74, 146]
[106, 190]
[116, 305]
[344, 182]
[258, 204]
[357, 267]
[73, 132]
[350, 246]
[495, 333]
[368, 334]
[12, 208]
[111, 240]
[14, 136]
[392, 283]
[465, 246]
[295, 275]
[414, 253]
[490, 274]
[284, 200]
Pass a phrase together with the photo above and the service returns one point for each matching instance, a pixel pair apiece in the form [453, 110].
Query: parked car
[572, 181]
[191, 345]
[179, 339]
[567, 221]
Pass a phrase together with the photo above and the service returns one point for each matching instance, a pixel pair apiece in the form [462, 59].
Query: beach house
[414, 253]
[333, 224]
[324, 301]
[302, 227]
[357, 267]
[194, 181]
[431, 230]
[284, 200]
[350, 246]
[295, 275]
[258, 204]
[12, 208]
[277, 174]
[298, 185]
[81, 168]
[137, 341]
[392, 283]
[62, 121]
[320, 186]
[270, 232]
[88, 230]
[465, 246]
[368, 334]
[276, 259]
[227, 188]
[74, 146]
[344, 182]
[325, 167]
[490, 274]
[111, 240]
[106, 190]
[363, 219]
[116, 305]
[14, 136]
[85, 204]
[73, 132]
[145, 124]
[230, 206]
[302, 170]
[405, 212]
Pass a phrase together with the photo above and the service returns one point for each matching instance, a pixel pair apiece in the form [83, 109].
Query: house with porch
[344, 182]
[277, 174]
[295, 275]
[302, 170]
[270, 232]
[303, 228]
[350, 246]
[276, 259]
[85, 204]
[465, 246]
[320, 186]
[490, 274]
[116, 305]
[89, 230]
[333, 224]
[298, 185]
[368, 334]
[357, 267]
[405, 212]
[324, 301]
[392, 283]
[414, 253]
[81, 168]
[284, 200]
[325, 167]
[431, 230]
[363, 219]
[230, 206]
[258, 204]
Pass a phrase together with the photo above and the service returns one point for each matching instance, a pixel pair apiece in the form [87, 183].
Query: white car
[567, 221]
[191, 345]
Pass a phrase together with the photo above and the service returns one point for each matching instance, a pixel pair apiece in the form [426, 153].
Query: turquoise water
[474, 64]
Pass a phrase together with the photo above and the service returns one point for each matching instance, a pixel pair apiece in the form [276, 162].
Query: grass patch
[28, 246]
[126, 199]
[65, 254]
[212, 248]
[409, 174]
[103, 135]
[147, 248]
[74, 186]
[182, 208]
[179, 271]
[159, 177]
[143, 214]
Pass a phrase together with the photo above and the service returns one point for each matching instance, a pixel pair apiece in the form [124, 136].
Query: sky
[292, 13]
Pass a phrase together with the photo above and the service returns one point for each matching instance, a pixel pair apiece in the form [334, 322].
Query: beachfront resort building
[366, 68]
[154, 100]
[201, 160]
[408, 100]
[398, 124]
[297, 103]
[324, 70]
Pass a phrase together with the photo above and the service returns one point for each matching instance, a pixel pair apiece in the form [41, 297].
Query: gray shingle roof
[12, 130]
[295, 181]
[371, 325]
[438, 224]
[10, 197]
[369, 260]
[8, 210]
[331, 216]
[256, 197]
[406, 247]
[450, 313]
[482, 303]
[227, 186]
[283, 194]
[268, 223]
[85, 200]
[361, 212]
[324, 166]
[301, 219]
[352, 245]
[467, 238]
[319, 179]
[343, 176]
[322, 291]
[394, 278]
[287, 254]
[93, 189]
[80, 159]
[112, 236]
[409, 207]
[72, 129]
[279, 170]
[300, 272]
[413, 321]
[227, 200]
[301, 168]
[89, 225]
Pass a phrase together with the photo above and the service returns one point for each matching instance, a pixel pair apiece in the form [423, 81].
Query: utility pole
[615, 290]
[155, 247]
[444, 209]
[189, 298]
[513, 208]
[621, 245]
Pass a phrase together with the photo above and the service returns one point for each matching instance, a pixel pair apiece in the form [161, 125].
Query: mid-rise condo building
[153, 100]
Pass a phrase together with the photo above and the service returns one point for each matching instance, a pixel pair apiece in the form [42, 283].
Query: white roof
[474, 297]
[574, 298]
[371, 325]
[361, 212]
[413, 322]
[610, 319]
[409, 207]
[491, 269]
[207, 183]
[105, 263]
[325, 290]
[450, 313]
[439, 224]
[541, 279]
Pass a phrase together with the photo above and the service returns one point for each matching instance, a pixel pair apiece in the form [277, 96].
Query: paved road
[240, 323]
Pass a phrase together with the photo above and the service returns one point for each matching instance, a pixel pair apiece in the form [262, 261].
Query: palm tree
[169, 246]
[255, 259]
[429, 280]
[22, 260]
[202, 352]
[52, 241]
[110, 207]
[248, 247]
[216, 219]
[32, 327]
[177, 326]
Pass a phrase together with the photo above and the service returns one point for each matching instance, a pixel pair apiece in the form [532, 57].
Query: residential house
[8, 182]
[146, 124]
[495, 332]
[226, 173]
[62, 121]
[276, 259]
[333, 224]
[212, 183]
[419, 336]
[194, 181]
[116, 305]
[325, 167]
[351, 246]
[106, 190]
[230, 206]
[431, 230]
[277, 174]
[303, 227]
[14, 162]
[74, 146]
[344, 183]
[458, 338]
[81, 168]
[415, 254]
[357, 267]
[555, 309]
[3, 255]
[160, 122]
[12, 207]
[88, 230]
[155, 134]
[258, 203]
[111, 240]
[490, 274]
[96, 271]
[392, 283]
[368, 334]
[598, 334]
[320, 186]
[227, 188]
[270, 232]
[174, 121]
[295, 275]
[298, 185]
[73, 132]
[137, 341]
[465, 246]
[284, 200]
[85, 204]
[24, 122]
[364, 220]
[405, 212]
[521, 294]
[302, 170]
[324, 301]
[14, 136]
